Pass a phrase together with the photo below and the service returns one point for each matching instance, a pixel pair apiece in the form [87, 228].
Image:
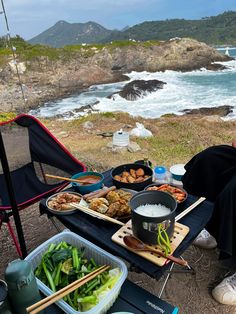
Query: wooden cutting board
[180, 232]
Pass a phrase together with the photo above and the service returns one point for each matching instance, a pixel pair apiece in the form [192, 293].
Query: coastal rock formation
[178, 55]
[221, 111]
[216, 67]
[140, 88]
[47, 79]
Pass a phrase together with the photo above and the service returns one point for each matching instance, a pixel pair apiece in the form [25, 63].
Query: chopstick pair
[190, 208]
[39, 306]
[96, 214]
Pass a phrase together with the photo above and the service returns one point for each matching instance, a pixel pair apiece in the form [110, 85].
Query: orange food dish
[179, 194]
[132, 176]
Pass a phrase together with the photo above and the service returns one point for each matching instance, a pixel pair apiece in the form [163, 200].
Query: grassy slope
[28, 52]
[176, 139]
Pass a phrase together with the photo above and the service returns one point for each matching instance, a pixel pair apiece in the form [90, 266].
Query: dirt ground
[191, 293]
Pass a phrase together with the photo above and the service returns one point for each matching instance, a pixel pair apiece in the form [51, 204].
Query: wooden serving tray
[180, 232]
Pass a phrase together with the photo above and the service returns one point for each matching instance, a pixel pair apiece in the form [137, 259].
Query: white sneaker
[225, 292]
[205, 241]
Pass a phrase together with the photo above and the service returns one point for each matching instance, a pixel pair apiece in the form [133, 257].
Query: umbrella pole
[12, 198]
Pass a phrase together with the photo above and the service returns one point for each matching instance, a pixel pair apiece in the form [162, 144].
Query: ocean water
[187, 90]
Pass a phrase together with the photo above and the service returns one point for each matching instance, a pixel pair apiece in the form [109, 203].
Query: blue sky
[28, 18]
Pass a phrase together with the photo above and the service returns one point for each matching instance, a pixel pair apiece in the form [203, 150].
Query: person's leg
[223, 226]
[207, 175]
[225, 292]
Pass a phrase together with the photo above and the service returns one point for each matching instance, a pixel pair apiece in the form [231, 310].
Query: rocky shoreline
[45, 80]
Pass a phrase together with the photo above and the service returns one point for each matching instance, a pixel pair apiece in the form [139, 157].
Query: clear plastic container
[91, 251]
[161, 175]
[120, 138]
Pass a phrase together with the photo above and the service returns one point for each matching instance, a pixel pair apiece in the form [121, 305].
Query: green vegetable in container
[62, 264]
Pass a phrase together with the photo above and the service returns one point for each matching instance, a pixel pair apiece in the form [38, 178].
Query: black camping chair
[27, 151]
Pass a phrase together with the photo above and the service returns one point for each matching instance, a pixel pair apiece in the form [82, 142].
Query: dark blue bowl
[177, 171]
[83, 189]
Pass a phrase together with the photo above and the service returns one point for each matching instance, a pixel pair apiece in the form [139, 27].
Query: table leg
[53, 221]
[189, 270]
[165, 282]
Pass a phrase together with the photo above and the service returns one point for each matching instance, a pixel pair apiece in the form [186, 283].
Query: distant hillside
[220, 29]
[63, 33]
[216, 30]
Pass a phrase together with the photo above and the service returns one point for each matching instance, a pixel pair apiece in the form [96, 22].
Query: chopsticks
[67, 179]
[39, 306]
[96, 214]
[190, 208]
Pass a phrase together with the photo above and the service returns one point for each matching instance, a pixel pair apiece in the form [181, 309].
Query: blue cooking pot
[83, 189]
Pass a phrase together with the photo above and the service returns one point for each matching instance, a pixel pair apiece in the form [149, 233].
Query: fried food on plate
[115, 204]
[132, 176]
[61, 201]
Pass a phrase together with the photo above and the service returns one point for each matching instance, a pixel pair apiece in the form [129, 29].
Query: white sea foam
[189, 90]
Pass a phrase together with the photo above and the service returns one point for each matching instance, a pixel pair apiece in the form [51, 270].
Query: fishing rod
[13, 51]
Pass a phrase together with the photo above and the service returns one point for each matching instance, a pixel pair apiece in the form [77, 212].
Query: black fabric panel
[46, 150]
[212, 173]
[26, 185]
[209, 171]
[43, 149]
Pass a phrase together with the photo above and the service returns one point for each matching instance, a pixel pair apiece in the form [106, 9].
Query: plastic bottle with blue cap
[160, 174]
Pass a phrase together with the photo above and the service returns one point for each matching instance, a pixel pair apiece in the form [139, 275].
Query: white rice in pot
[153, 210]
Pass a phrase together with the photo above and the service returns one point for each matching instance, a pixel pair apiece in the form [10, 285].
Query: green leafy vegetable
[62, 264]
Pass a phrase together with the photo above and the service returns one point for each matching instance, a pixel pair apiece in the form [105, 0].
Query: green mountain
[220, 29]
[215, 30]
[64, 33]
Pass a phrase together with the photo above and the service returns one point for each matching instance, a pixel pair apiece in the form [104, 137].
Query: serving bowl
[145, 227]
[83, 189]
[137, 186]
[177, 171]
[172, 189]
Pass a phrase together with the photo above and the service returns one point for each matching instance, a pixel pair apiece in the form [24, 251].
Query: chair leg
[55, 224]
[14, 238]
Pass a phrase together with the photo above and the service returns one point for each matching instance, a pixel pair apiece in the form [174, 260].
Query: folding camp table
[132, 299]
[100, 232]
